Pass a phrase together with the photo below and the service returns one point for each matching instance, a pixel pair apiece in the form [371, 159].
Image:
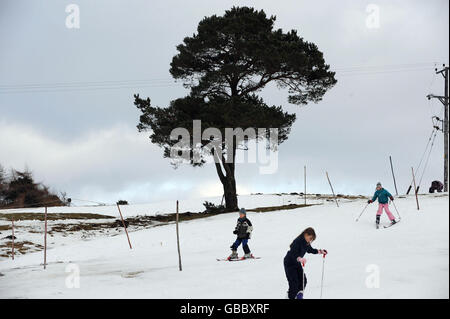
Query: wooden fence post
[415, 188]
[45, 238]
[178, 239]
[124, 226]
[332, 190]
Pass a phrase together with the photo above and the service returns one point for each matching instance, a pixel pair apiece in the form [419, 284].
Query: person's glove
[369, 201]
[235, 232]
[392, 197]
[323, 252]
[302, 260]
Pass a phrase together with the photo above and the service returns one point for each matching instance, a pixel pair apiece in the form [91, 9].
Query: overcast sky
[82, 138]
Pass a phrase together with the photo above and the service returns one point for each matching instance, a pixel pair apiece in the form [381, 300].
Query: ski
[236, 259]
[391, 224]
[253, 257]
[226, 259]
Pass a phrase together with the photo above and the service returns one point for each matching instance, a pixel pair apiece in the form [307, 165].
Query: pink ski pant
[386, 209]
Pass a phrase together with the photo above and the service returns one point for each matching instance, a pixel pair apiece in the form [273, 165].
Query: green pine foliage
[226, 64]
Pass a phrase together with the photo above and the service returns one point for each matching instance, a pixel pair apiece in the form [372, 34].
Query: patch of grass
[191, 216]
[52, 216]
[19, 246]
[132, 274]
[351, 196]
[167, 218]
[439, 195]
[282, 207]
[79, 227]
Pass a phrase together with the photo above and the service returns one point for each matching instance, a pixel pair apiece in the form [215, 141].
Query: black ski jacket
[299, 248]
[243, 228]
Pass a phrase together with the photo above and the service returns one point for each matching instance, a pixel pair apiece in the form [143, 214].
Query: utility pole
[444, 101]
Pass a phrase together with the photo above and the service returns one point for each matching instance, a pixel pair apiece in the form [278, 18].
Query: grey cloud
[92, 147]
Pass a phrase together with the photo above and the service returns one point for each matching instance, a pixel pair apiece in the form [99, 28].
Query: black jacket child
[243, 228]
[299, 248]
[294, 270]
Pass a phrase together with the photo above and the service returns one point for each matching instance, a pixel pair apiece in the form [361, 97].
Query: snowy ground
[63, 229]
[411, 258]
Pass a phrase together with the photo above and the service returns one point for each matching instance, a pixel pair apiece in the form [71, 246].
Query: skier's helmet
[379, 184]
[243, 211]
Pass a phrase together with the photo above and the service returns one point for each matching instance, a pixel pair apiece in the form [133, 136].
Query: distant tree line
[18, 189]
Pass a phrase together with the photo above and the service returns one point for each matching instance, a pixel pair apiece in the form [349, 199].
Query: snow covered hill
[410, 260]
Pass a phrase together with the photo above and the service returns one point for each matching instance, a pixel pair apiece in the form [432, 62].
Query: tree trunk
[229, 190]
[228, 181]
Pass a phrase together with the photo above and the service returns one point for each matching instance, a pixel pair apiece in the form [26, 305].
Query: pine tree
[20, 190]
[226, 63]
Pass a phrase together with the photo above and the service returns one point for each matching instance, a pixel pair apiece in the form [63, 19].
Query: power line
[84, 89]
[73, 86]
[428, 159]
[83, 83]
[380, 71]
[169, 82]
[430, 140]
[385, 66]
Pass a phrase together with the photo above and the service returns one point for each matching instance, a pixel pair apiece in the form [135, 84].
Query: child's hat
[378, 184]
[243, 211]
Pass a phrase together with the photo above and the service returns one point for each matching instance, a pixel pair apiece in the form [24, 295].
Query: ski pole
[323, 270]
[399, 217]
[304, 277]
[362, 212]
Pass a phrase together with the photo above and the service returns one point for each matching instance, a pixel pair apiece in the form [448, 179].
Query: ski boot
[299, 295]
[377, 222]
[393, 222]
[247, 256]
[234, 255]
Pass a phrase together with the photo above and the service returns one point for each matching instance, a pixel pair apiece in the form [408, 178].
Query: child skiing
[294, 262]
[243, 231]
[383, 200]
